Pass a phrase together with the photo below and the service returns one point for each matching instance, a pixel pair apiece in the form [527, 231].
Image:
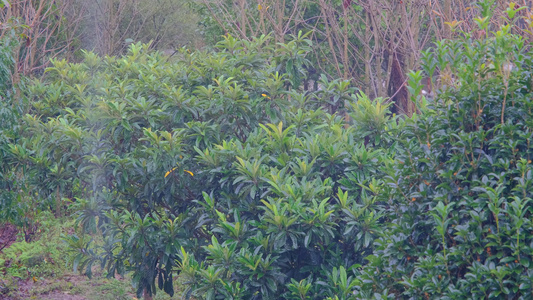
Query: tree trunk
[397, 82]
[146, 295]
[58, 203]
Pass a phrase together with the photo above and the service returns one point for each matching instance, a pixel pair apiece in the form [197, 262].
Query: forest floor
[71, 287]
[40, 270]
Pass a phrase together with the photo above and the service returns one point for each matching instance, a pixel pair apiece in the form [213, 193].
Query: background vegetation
[372, 43]
[252, 173]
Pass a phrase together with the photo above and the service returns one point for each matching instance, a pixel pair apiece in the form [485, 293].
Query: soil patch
[58, 289]
[8, 235]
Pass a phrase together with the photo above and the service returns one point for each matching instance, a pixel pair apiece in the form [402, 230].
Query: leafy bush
[163, 156]
[458, 220]
[12, 185]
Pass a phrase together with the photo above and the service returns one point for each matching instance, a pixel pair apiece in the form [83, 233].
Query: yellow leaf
[187, 171]
[34, 279]
[168, 173]
[259, 7]
[453, 24]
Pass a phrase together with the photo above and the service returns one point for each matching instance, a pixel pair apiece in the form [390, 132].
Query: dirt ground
[72, 287]
[8, 235]
[48, 290]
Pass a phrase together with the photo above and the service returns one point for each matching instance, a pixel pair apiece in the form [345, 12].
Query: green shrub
[12, 208]
[458, 220]
[168, 155]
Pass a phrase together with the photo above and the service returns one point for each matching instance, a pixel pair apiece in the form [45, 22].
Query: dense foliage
[133, 142]
[218, 166]
[12, 208]
[459, 220]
